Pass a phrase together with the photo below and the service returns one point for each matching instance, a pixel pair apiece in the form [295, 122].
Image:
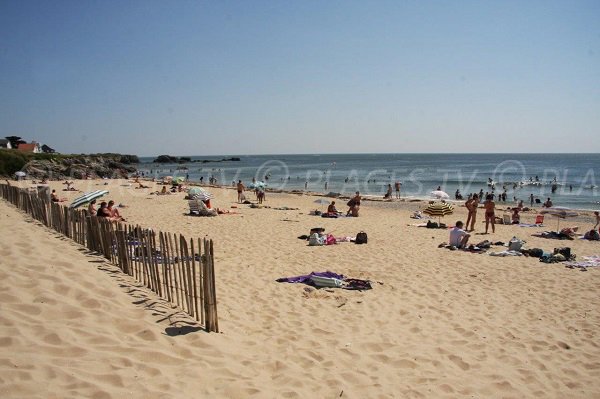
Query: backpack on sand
[361, 238]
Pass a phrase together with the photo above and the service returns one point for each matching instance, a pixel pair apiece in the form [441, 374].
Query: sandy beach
[437, 323]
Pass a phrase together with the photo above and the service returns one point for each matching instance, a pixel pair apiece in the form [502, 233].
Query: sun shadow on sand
[182, 330]
[179, 322]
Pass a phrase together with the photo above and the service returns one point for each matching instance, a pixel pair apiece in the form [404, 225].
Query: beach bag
[330, 240]
[361, 238]
[315, 240]
[432, 225]
[564, 251]
[536, 252]
[515, 244]
[330, 282]
[592, 235]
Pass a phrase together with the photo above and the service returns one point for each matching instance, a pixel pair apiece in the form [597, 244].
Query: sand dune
[438, 324]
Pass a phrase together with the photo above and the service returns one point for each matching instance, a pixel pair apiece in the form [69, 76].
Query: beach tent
[87, 197]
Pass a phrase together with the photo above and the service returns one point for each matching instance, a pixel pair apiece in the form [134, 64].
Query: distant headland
[172, 159]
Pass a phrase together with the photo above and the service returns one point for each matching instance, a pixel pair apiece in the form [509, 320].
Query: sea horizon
[568, 178]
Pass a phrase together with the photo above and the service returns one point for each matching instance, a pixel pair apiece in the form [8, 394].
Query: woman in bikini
[490, 216]
[471, 206]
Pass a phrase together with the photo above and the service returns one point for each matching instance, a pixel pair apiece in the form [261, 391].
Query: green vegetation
[12, 161]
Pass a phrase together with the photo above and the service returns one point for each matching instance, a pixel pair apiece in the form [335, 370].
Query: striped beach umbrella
[439, 209]
[87, 197]
[201, 195]
[195, 190]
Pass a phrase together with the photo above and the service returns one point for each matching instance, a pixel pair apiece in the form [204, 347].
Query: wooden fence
[179, 270]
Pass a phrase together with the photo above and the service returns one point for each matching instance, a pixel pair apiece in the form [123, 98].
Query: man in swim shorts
[240, 190]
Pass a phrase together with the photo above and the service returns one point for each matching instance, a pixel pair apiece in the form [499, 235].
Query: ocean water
[574, 176]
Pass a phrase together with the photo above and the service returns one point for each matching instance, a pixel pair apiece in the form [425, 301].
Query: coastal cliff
[63, 166]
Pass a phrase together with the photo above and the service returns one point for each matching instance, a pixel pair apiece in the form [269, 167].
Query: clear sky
[261, 77]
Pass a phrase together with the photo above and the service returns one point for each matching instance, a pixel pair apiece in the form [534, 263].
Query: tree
[15, 141]
[47, 149]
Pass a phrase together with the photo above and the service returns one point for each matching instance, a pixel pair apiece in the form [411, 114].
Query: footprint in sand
[459, 362]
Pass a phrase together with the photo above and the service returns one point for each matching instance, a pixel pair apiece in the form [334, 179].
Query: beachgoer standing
[397, 187]
[473, 212]
[240, 190]
[490, 215]
[597, 225]
[260, 195]
[459, 237]
[531, 199]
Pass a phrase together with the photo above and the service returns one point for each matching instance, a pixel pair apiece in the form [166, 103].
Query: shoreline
[470, 324]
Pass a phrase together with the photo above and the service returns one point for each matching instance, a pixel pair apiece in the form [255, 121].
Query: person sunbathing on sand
[103, 211]
[331, 208]
[54, 197]
[114, 211]
[92, 208]
[354, 205]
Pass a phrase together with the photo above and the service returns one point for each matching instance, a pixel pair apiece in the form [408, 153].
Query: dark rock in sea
[165, 159]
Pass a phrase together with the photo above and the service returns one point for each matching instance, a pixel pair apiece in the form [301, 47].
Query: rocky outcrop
[80, 167]
[172, 159]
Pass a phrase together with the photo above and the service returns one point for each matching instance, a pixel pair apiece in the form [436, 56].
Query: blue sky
[261, 77]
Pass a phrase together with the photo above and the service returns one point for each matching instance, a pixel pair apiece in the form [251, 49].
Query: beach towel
[553, 235]
[506, 253]
[306, 278]
[329, 279]
[356, 284]
[588, 261]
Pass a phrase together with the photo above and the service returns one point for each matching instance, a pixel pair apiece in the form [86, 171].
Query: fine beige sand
[437, 323]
